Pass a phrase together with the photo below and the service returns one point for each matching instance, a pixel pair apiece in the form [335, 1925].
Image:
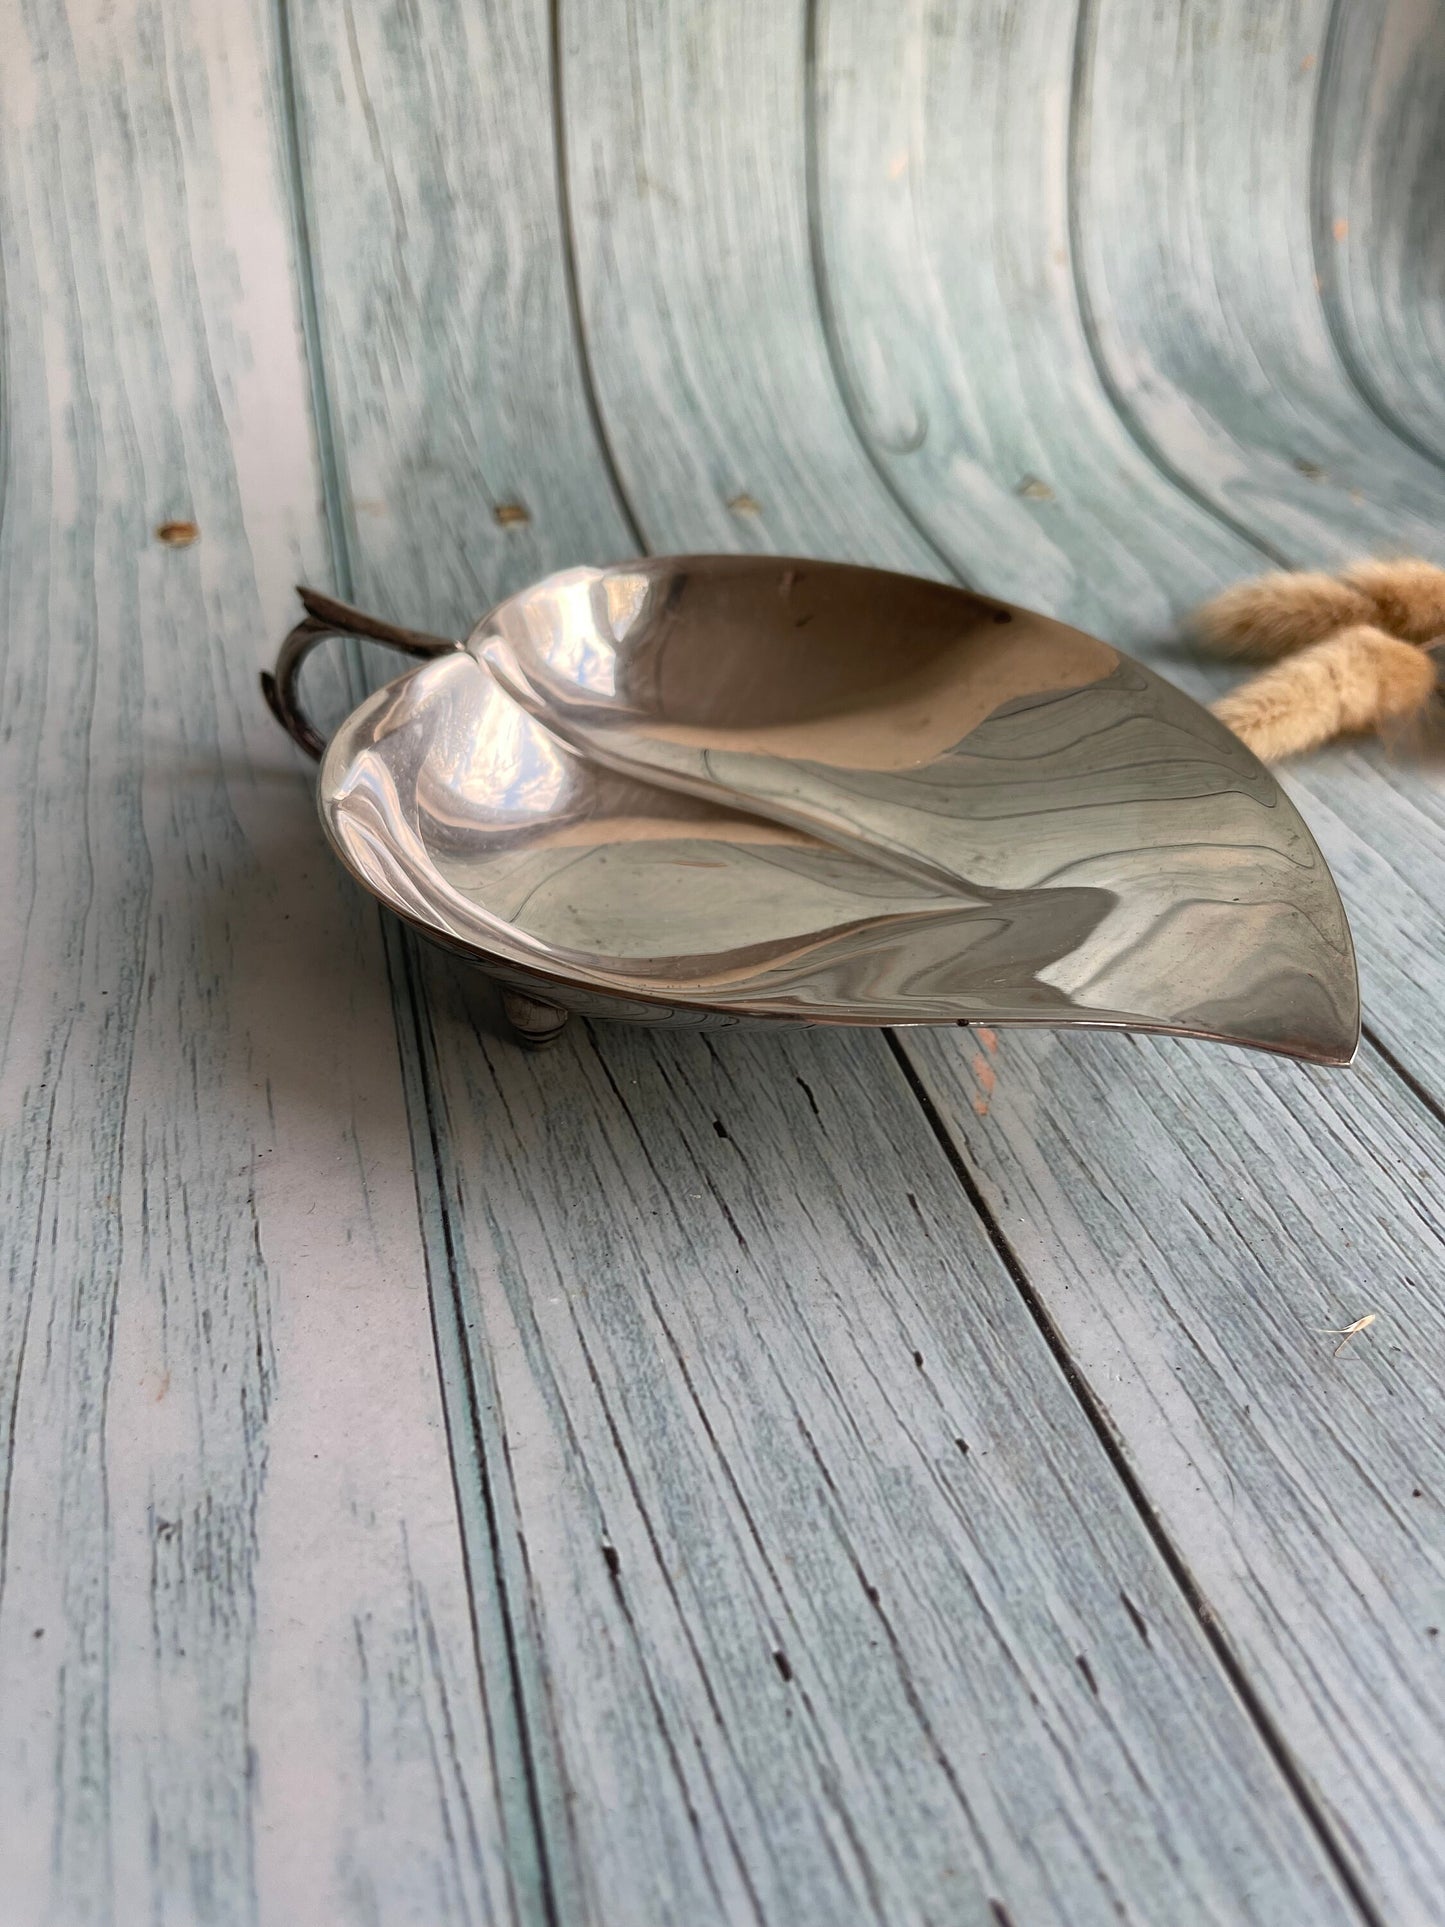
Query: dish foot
[533, 1025]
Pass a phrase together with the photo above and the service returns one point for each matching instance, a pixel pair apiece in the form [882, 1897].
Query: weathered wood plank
[688, 188]
[236, 1660]
[1379, 184]
[466, 465]
[703, 1450]
[945, 263]
[1293, 1675]
[471, 466]
[1087, 1150]
[1195, 1233]
[948, 263]
[1197, 130]
[841, 1607]
[1219, 349]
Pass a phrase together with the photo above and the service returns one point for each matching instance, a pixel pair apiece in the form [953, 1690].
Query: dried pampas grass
[1347, 652]
[1350, 683]
[1276, 614]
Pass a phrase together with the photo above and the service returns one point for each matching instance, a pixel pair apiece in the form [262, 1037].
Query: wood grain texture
[947, 250]
[687, 180]
[1196, 129]
[428, 169]
[1379, 187]
[946, 268]
[1063, 1132]
[446, 347]
[650, 1519]
[1292, 1676]
[236, 1663]
[1216, 341]
[801, 1586]
[1195, 1228]
[840, 1609]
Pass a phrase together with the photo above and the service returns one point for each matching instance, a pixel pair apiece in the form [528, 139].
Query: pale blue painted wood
[619, 1679]
[236, 1670]
[1203, 259]
[842, 1612]
[1186, 1330]
[623, 1674]
[757, 1637]
[712, 373]
[1379, 186]
[947, 272]
[1196, 128]
[687, 183]
[445, 348]
[947, 246]
[446, 341]
[1195, 1228]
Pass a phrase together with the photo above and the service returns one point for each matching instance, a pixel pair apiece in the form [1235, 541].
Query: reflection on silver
[703, 789]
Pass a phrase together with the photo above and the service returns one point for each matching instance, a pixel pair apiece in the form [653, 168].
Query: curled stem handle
[327, 617]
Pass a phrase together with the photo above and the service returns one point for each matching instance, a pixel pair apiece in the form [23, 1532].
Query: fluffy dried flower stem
[1352, 682]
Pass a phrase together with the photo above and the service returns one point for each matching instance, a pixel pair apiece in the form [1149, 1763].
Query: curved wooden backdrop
[800, 1479]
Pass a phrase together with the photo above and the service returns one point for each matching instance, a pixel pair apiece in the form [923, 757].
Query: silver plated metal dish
[715, 789]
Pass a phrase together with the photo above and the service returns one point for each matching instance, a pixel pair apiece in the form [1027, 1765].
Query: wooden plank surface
[840, 1610]
[711, 366]
[447, 343]
[946, 270]
[687, 184]
[821, 1566]
[1379, 208]
[1199, 132]
[236, 1664]
[1195, 1233]
[1218, 348]
[959, 302]
[1187, 1331]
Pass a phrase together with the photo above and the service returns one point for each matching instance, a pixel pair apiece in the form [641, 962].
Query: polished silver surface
[713, 788]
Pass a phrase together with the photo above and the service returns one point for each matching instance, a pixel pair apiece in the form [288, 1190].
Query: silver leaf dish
[715, 789]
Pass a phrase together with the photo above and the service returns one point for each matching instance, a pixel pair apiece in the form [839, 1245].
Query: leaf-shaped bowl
[714, 788]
